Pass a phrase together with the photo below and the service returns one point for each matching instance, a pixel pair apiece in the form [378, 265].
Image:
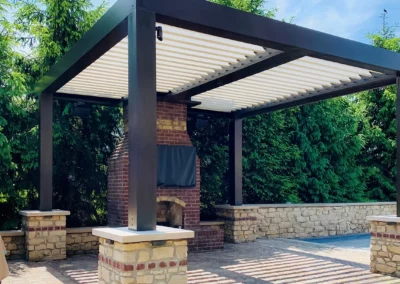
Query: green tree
[379, 128]
[327, 136]
[15, 107]
[303, 154]
[251, 6]
[81, 145]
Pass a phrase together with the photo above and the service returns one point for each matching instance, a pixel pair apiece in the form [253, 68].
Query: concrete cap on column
[38, 213]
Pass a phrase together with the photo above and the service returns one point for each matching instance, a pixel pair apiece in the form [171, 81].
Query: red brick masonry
[207, 238]
[140, 266]
[385, 235]
[171, 130]
[51, 228]
[251, 218]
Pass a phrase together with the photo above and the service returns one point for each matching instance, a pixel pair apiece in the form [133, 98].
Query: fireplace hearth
[169, 214]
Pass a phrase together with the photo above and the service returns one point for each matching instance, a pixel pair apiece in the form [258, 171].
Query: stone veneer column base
[385, 245]
[158, 256]
[45, 234]
[240, 222]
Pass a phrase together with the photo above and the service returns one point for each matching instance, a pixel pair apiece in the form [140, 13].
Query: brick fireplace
[171, 201]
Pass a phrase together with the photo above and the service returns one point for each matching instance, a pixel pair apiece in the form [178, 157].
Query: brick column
[385, 245]
[45, 234]
[240, 222]
[143, 257]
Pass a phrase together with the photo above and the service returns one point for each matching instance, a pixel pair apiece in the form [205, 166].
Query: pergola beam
[208, 113]
[298, 101]
[217, 20]
[253, 69]
[88, 99]
[108, 31]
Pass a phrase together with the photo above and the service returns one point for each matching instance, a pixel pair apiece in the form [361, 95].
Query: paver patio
[264, 261]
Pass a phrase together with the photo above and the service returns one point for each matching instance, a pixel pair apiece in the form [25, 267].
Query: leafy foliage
[326, 134]
[14, 128]
[81, 146]
[379, 129]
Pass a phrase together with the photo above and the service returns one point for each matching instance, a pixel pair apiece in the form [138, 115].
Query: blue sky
[352, 19]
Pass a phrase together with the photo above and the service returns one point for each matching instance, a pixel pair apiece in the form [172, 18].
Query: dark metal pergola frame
[137, 20]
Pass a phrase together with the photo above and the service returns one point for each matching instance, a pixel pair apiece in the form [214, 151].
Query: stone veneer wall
[240, 223]
[81, 241]
[142, 262]
[248, 222]
[45, 237]
[78, 241]
[14, 242]
[385, 248]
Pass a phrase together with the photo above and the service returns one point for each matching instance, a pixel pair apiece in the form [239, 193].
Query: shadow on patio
[264, 261]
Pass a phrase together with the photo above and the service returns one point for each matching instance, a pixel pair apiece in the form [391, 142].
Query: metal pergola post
[398, 145]
[142, 101]
[235, 161]
[46, 152]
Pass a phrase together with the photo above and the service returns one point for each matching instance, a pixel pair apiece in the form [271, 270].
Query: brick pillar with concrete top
[385, 245]
[158, 256]
[45, 234]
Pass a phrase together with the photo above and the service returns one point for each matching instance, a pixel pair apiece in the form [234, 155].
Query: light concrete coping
[124, 235]
[38, 213]
[12, 233]
[384, 218]
[237, 207]
[212, 223]
[256, 206]
[82, 230]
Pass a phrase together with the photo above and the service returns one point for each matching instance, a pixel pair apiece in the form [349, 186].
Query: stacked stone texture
[246, 223]
[171, 130]
[82, 243]
[45, 237]
[240, 224]
[15, 246]
[385, 248]
[143, 263]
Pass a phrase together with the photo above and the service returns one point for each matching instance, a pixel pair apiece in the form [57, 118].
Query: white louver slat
[306, 76]
[186, 59]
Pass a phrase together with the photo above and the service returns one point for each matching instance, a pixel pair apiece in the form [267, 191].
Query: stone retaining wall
[81, 241]
[248, 222]
[14, 242]
[78, 241]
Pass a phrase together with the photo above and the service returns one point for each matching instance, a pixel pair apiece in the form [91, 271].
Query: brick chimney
[171, 130]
